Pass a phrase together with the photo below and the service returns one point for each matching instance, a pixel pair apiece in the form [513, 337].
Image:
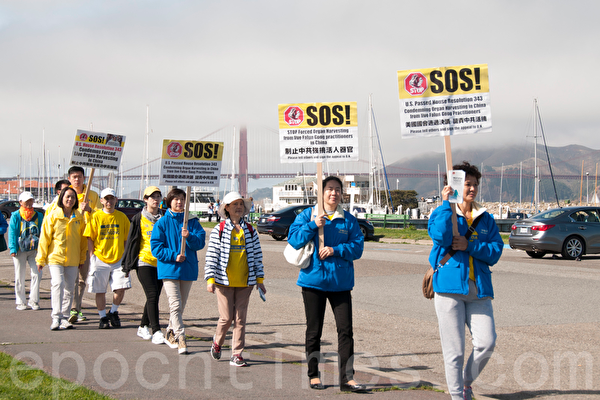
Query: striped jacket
[217, 254]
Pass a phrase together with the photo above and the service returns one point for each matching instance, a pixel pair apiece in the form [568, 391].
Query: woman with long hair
[63, 248]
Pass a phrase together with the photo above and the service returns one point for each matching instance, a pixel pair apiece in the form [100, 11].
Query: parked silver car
[570, 231]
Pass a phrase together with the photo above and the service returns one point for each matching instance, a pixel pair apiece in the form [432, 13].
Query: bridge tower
[243, 174]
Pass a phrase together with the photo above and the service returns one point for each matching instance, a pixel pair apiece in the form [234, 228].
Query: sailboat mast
[371, 161]
[536, 182]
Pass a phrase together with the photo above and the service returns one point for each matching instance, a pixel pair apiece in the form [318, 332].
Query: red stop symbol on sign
[415, 84]
[293, 116]
[174, 150]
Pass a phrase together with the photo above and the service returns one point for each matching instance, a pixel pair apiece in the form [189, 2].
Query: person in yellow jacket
[106, 234]
[87, 208]
[63, 248]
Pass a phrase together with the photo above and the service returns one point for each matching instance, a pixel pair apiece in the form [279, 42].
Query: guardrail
[402, 221]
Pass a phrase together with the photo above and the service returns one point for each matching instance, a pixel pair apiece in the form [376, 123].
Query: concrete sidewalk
[118, 363]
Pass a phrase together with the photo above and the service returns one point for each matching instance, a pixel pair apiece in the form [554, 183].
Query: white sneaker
[21, 307]
[158, 337]
[64, 324]
[34, 306]
[144, 333]
[55, 324]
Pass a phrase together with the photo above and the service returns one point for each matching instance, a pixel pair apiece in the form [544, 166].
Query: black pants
[148, 277]
[314, 308]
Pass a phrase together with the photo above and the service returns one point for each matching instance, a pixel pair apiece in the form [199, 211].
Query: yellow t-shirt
[237, 266]
[145, 251]
[109, 233]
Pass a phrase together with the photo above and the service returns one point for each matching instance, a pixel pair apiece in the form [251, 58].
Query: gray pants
[454, 311]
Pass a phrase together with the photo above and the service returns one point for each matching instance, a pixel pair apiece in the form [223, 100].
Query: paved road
[546, 312]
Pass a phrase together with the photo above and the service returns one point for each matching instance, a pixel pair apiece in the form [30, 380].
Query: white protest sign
[317, 132]
[444, 101]
[97, 150]
[191, 163]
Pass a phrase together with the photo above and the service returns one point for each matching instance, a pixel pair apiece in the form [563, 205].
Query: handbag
[427, 285]
[299, 257]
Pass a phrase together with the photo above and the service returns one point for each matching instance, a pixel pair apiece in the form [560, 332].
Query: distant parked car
[570, 231]
[9, 206]
[517, 215]
[278, 223]
[130, 207]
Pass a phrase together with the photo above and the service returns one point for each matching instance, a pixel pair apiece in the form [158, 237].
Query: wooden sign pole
[185, 218]
[448, 152]
[320, 209]
[89, 184]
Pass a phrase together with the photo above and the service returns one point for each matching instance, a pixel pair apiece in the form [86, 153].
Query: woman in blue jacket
[463, 285]
[177, 271]
[330, 276]
[23, 238]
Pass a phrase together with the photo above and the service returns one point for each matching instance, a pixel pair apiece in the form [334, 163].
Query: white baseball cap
[108, 192]
[25, 196]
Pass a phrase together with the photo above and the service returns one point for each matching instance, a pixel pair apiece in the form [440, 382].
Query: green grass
[419, 387]
[19, 381]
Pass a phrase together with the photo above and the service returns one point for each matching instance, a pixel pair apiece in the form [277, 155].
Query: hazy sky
[202, 65]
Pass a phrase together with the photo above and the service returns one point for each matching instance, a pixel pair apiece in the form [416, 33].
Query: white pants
[177, 293]
[21, 260]
[63, 283]
[454, 311]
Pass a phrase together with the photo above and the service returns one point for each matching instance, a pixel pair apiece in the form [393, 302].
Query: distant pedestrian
[23, 238]
[211, 211]
[138, 256]
[233, 267]
[63, 248]
[177, 271]
[106, 234]
[462, 283]
[217, 206]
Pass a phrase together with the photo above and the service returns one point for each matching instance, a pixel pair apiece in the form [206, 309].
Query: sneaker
[237, 361]
[21, 307]
[468, 393]
[182, 345]
[170, 339]
[81, 317]
[215, 350]
[144, 333]
[104, 323]
[158, 337]
[114, 319]
[34, 306]
[73, 316]
[55, 324]
[64, 324]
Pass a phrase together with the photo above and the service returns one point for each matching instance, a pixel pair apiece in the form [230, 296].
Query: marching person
[23, 237]
[233, 267]
[63, 248]
[177, 271]
[329, 277]
[106, 234]
[463, 284]
[87, 208]
[138, 256]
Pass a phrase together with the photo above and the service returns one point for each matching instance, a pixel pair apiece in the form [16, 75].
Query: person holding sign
[106, 233]
[463, 283]
[63, 248]
[177, 271]
[233, 266]
[138, 256]
[330, 276]
[87, 208]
